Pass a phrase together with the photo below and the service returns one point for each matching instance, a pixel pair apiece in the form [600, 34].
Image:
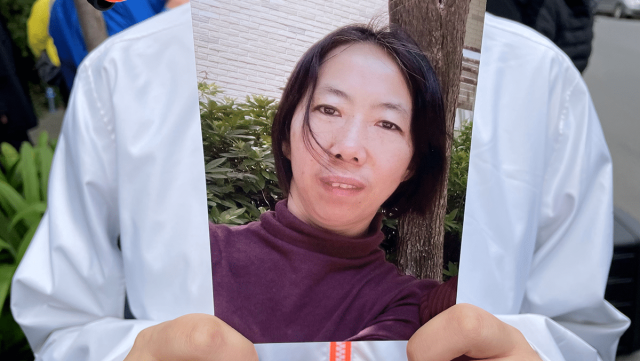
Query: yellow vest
[38, 31]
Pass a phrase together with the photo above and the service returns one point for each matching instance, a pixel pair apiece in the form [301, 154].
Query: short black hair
[428, 125]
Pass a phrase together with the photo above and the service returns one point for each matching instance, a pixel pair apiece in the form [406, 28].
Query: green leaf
[44, 155]
[31, 214]
[12, 198]
[230, 216]
[219, 170]
[216, 176]
[10, 236]
[226, 203]
[7, 246]
[452, 215]
[236, 212]
[261, 182]
[6, 273]
[10, 155]
[43, 139]
[215, 163]
[24, 244]
[30, 181]
[214, 213]
[452, 269]
[390, 222]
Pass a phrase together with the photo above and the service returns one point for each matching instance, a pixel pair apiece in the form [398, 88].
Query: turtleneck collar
[283, 225]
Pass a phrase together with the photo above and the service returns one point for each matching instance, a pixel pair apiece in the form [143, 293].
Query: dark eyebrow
[385, 105]
[335, 91]
[393, 106]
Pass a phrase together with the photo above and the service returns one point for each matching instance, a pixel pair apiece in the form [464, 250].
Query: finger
[466, 330]
[199, 337]
[232, 345]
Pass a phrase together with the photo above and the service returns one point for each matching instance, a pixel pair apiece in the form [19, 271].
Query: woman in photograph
[349, 138]
[360, 128]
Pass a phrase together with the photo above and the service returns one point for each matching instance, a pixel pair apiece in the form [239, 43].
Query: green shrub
[23, 198]
[16, 13]
[456, 195]
[240, 170]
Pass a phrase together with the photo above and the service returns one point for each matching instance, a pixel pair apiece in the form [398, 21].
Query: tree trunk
[438, 26]
[94, 31]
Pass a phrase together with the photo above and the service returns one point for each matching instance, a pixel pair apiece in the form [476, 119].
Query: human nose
[349, 143]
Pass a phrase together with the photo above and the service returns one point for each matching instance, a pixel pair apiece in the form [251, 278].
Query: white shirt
[538, 227]
[129, 162]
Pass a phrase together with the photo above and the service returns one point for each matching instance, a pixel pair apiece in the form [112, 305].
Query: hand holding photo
[361, 127]
[298, 184]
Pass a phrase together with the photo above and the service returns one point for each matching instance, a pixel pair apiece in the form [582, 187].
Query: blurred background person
[609, 48]
[16, 110]
[43, 48]
[568, 23]
[539, 199]
[65, 30]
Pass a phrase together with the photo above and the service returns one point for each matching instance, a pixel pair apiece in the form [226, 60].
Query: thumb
[195, 337]
[466, 330]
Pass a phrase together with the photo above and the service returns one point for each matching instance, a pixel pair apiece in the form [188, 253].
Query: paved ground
[49, 122]
[613, 77]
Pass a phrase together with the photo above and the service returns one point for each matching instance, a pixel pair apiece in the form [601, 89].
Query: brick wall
[475, 22]
[251, 46]
[468, 83]
[472, 42]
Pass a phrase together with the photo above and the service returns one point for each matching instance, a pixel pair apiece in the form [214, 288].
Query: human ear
[407, 175]
[286, 150]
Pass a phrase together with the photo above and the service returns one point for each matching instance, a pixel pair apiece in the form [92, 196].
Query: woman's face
[361, 114]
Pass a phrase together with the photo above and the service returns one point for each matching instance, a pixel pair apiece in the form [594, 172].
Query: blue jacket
[65, 30]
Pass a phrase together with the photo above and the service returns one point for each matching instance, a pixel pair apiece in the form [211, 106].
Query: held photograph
[328, 138]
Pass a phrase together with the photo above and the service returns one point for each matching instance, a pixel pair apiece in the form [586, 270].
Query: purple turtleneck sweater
[282, 280]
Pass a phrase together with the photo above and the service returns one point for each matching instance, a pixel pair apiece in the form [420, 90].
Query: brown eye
[388, 125]
[327, 110]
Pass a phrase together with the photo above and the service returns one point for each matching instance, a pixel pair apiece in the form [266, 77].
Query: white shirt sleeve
[537, 238]
[129, 163]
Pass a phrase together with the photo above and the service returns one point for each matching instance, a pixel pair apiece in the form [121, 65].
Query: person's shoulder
[154, 33]
[518, 37]
[217, 230]
[507, 44]
[513, 30]
[222, 231]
